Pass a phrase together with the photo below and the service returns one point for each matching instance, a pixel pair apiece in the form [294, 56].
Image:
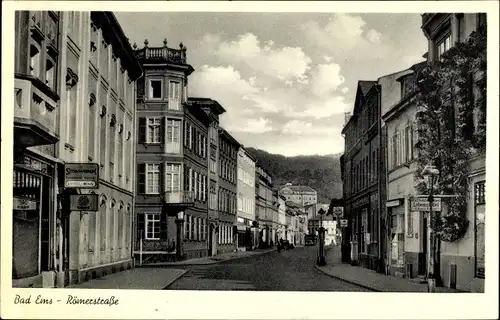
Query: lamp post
[430, 174]
[178, 222]
[321, 261]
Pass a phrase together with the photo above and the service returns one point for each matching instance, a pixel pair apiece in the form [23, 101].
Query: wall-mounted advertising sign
[81, 175]
[84, 202]
[423, 205]
[23, 204]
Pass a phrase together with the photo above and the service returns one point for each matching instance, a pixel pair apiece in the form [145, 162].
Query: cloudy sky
[285, 79]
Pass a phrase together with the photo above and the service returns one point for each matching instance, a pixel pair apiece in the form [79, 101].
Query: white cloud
[259, 125]
[327, 58]
[326, 79]
[296, 127]
[318, 109]
[373, 36]
[344, 90]
[285, 63]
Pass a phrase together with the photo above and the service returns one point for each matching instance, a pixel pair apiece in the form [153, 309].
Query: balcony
[176, 201]
[35, 114]
[161, 54]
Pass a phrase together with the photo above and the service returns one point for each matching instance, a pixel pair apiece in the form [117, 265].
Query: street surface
[291, 270]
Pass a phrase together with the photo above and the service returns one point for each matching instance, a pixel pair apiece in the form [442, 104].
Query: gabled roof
[292, 204]
[364, 86]
[299, 188]
[214, 106]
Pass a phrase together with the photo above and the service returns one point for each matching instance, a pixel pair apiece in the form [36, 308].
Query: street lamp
[321, 261]
[431, 174]
[179, 221]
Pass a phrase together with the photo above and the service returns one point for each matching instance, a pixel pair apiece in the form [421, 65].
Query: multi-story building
[75, 76]
[161, 193]
[213, 109]
[273, 207]
[246, 199]
[228, 159]
[282, 217]
[329, 223]
[407, 237]
[302, 195]
[364, 178]
[264, 213]
[296, 223]
[196, 181]
[466, 254]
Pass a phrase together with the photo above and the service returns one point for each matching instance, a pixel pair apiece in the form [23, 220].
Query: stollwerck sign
[81, 175]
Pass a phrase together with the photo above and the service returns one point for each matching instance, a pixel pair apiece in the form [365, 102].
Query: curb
[348, 281]
[175, 279]
[199, 264]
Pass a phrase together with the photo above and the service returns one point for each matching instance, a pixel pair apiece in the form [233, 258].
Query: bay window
[155, 89]
[443, 45]
[153, 133]
[173, 183]
[174, 88]
[173, 144]
[153, 178]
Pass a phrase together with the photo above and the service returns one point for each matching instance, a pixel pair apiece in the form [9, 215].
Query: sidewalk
[369, 279]
[136, 278]
[209, 260]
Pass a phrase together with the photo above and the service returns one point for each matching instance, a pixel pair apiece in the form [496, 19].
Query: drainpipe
[384, 171]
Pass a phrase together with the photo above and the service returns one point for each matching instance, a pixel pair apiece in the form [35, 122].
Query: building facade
[364, 178]
[406, 243]
[196, 181]
[161, 191]
[282, 217]
[213, 109]
[75, 103]
[246, 199]
[302, 195]
[228, 159]
[466, 254]
[263, 204]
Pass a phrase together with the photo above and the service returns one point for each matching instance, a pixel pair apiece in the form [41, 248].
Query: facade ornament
[92, 100]
[146, 42]
[165, 42]
[103, 111]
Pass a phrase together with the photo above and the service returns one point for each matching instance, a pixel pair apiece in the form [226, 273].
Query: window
[153, 133]
[443, 45]
[173, 136]
[187, 232]
[152, 221]
[50, 67]
[153, 178]
[155, 89]
[173, 177]
[35, 60]
[479, 239]
[174, 95]
[71, 107]
[409, 143]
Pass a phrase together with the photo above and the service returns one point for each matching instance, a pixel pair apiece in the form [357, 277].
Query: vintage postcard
[249, 160]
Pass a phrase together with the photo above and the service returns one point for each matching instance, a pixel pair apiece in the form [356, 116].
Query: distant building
[246, 199]
[228, 160]
[264, 212]
[302, 195]
[330, 225]
[297, 223]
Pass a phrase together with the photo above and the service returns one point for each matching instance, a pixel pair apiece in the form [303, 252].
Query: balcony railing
[35, 115]
[161, 54]
[179, 198]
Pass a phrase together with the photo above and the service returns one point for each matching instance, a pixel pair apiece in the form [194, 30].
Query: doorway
[422, 262]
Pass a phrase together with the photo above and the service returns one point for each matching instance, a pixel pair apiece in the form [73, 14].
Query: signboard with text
[423, 205]
[81, 175]
[23, 204]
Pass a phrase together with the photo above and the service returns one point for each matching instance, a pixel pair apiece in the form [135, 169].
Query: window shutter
[141, 178]
[163, 226]
[142, 130]
[186, 178]
[185, 133]
[161, 180]
[140, 226]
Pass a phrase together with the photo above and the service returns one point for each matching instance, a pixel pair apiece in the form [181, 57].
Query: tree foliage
[447, 138]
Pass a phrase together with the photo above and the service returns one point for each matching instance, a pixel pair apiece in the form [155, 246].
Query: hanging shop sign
[393, 203]
[84, 202]
[23, 204]
[423, 204]
[81, 175]
[343, 223]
